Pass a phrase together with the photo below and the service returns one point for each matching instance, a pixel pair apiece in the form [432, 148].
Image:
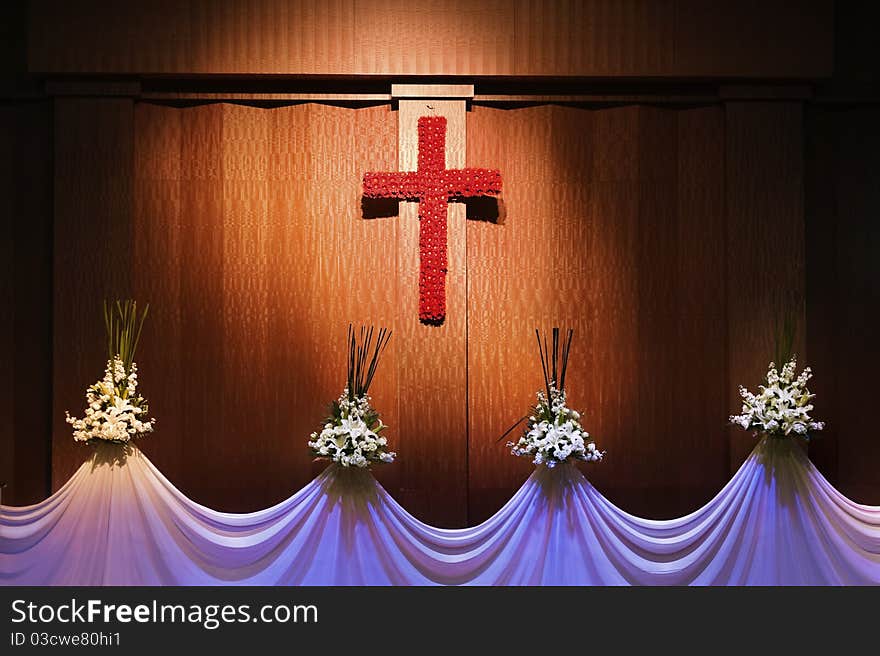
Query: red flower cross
[432, 185]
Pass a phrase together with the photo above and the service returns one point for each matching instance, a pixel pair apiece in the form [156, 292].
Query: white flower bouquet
[115, 412]
[782, 406]
[352, 433]
[554, 434]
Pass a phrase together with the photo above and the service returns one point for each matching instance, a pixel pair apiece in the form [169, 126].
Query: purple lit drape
[119, 521]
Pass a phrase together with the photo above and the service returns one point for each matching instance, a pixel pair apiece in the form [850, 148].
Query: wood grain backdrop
[646, 38]
[843, 290]
[242, 225]
[91, 253]
[615, 227]
[25, 300]
[250, 244]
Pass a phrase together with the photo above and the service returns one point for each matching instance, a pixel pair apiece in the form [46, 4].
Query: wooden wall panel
[252, 247]
[160, 251]
[823, 307]
[643, 38]
[244, 368]
[843, 285]
[776, 38]
[8, 128]
[440, 37]
[765, 242]
[682, 310]
[92, 252]
[201, 428]
[630, 254]
[857, 200]
[562, 256]
[29, 204]
[604, 37]
[268, 36]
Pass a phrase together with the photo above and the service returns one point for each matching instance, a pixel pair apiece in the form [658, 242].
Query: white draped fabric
[119, 521]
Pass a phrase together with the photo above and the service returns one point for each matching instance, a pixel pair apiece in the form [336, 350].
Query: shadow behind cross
[477, 208]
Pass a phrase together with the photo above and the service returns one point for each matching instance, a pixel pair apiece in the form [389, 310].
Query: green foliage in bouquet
[786, 330]
[345, 407]
[123, 324]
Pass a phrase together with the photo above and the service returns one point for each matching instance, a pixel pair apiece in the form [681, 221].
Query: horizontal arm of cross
[472, 182]
[419, 184]
[393, 185]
